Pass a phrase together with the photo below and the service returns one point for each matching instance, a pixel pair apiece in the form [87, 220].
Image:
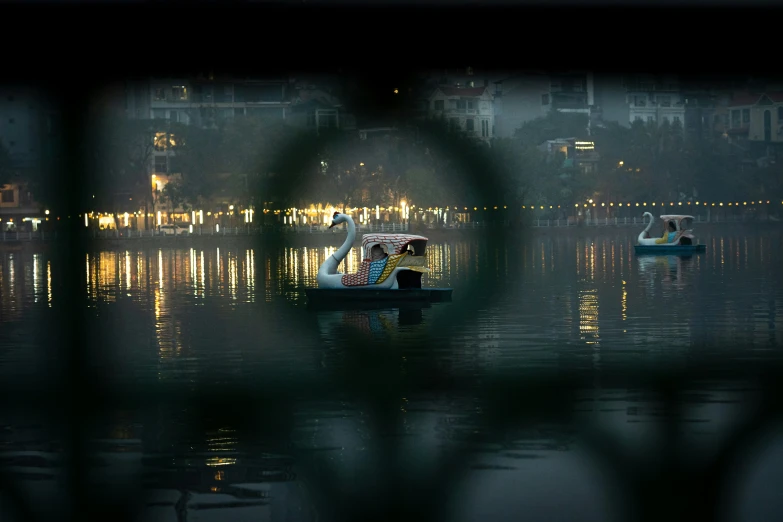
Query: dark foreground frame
[661, 487]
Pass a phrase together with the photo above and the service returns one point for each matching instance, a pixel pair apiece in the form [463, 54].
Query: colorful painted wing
[376, 269]
[359, 278]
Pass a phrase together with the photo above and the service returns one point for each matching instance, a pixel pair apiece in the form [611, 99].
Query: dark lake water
[533, 308]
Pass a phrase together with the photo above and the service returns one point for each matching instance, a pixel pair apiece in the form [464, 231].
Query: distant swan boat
[682, 240]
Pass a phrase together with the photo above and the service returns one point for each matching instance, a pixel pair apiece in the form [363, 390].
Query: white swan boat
[680, 240]
[394, 276]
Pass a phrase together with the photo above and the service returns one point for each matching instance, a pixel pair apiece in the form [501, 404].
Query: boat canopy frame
[395, 244]
[681, 221]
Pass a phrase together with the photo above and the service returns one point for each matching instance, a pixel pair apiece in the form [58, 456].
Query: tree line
[251, 161]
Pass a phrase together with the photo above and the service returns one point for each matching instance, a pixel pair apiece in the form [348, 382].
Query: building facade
[207, 100]
[654, 99]
[575, 153]
[468, 109]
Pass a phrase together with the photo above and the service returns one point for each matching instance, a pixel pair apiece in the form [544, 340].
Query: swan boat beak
[333, 224]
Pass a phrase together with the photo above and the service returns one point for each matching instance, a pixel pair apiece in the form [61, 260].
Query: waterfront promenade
[210, 233]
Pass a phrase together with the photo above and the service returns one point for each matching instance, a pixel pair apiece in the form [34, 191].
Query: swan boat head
[338, 219]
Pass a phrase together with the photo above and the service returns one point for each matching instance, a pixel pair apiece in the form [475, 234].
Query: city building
[759, 116]
[522, 96]
[205, 100]
[466, 108]
[655, 99]
[575, 153]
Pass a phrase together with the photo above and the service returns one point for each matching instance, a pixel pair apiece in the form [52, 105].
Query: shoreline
[327, 239]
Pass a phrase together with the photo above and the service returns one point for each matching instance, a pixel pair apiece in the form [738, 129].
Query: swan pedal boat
[684, 240]
[394, 278]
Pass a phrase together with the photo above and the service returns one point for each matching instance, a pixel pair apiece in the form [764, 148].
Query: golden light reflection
[11, 277]
[611, 261]
[232, 276]
[158, 297]
[27, 278]
[268, 280]
[295, 259]
[222, 441]
[588, 316]
[168, 333]
[202, 281]
[250, 263]
[193, 267]
[624, 302]
[219, 273]
[349, 262]
[306, 265]
[220, 461]
[140, 275]
[49, 282]
[127, 271]
[35, 278]
[588, 301]
[106, 279]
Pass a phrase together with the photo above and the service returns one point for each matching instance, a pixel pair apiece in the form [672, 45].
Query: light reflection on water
[731, 293]
[568, 302]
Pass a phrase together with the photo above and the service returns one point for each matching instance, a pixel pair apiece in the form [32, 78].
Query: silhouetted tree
[198, 157]
[120, 160]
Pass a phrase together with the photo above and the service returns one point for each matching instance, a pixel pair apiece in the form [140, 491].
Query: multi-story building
[572, 92]
[522, 96]
[575, 153]
[205, 100]
[466, 108]
[757, 117]
[655, 99]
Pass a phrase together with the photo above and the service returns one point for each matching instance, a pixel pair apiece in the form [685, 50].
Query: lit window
[179, 92]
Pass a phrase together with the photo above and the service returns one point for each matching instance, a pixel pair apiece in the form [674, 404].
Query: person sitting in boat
[668, 235]
[377, 253]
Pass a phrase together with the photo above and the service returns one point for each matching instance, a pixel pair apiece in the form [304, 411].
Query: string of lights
[321, 213]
